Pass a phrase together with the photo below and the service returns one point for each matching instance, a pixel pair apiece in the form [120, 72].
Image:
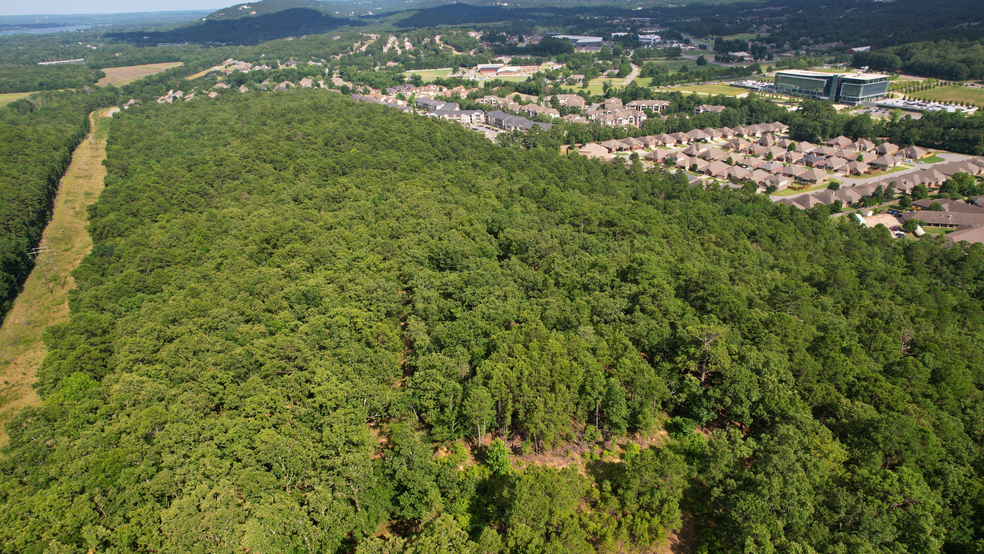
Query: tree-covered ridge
[286, 289]
[37, 137]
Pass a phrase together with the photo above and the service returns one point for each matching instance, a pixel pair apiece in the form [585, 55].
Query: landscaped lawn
[937, 230]
[119, 76]
[934, 159]
[952, 94]
[900, 167]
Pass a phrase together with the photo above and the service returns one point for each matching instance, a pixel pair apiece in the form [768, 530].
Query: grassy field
[119, 76]
[952, 94]
[741, 36]
[428, 74]
[726, 90]
[36, 308]
[9, 97]
[931, 231]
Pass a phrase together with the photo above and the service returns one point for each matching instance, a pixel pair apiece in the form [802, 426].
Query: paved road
[632, 76]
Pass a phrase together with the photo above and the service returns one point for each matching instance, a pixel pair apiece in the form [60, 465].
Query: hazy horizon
[49, 8]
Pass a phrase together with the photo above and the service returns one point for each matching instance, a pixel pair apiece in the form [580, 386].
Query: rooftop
[825, 75]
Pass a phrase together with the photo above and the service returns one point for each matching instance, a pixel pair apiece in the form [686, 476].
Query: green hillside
[263, 7]
[302, 316]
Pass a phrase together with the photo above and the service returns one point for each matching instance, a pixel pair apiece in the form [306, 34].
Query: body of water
[43, 30]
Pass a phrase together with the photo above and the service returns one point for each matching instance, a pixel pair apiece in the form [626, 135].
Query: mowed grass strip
[21, 347]
[119, 76]
[951, 94]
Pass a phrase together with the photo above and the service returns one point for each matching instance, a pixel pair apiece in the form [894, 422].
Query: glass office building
[844, 88]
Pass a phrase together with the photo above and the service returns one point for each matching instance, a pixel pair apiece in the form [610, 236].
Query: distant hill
[265, 7]
[246, 30]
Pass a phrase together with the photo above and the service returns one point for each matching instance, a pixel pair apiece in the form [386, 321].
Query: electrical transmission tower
[41, 257]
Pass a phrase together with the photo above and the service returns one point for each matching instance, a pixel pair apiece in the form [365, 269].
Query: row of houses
[966, 218]
[902, 183]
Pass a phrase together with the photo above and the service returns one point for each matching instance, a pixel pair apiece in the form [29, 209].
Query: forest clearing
[37, 307]
[119, 76]
[8, 97]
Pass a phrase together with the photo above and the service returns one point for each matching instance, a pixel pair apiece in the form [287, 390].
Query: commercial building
[844, 88]
[579, 40]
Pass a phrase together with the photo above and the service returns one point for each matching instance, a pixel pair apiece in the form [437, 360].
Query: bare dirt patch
[37, 307]
[886, 219]
[119, 76]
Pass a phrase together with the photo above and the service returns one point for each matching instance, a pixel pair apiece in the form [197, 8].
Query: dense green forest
[300, 313]
[944, 59]
[37, 137]
[252, 30]
[29, 78]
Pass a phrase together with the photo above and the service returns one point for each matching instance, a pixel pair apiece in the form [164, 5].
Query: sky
[34, 7]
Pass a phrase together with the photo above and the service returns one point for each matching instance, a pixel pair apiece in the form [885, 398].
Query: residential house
[594, 150]
[857, 168]
[771, 167]
[708, 108]
[885, 162]
[914, 152]
[656, 106]
[813, 176]
[716, 169]
[793, 170]
[886, 148]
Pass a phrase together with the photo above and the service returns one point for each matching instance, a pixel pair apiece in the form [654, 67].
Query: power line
[43, 254]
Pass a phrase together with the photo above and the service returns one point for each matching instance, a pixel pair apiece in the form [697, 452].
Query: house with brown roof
[886, 148]
[793, 170]
[696, 135]
[970, 234]
[813, 176]
[594, 150]
[739, 173]
[771, 167]
[716, 169]
[641, 105]
[863, 145]
[857, 168]
[848, 195]
[758, 175]
[914, 152]
[682, 161]
[571, 100]
[833, 164]
[945, 219]
[779, 181]
[708, 108]
[885, 162]
[656, 156]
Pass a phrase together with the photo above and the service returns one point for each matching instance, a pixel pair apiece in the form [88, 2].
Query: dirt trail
[21, 347]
